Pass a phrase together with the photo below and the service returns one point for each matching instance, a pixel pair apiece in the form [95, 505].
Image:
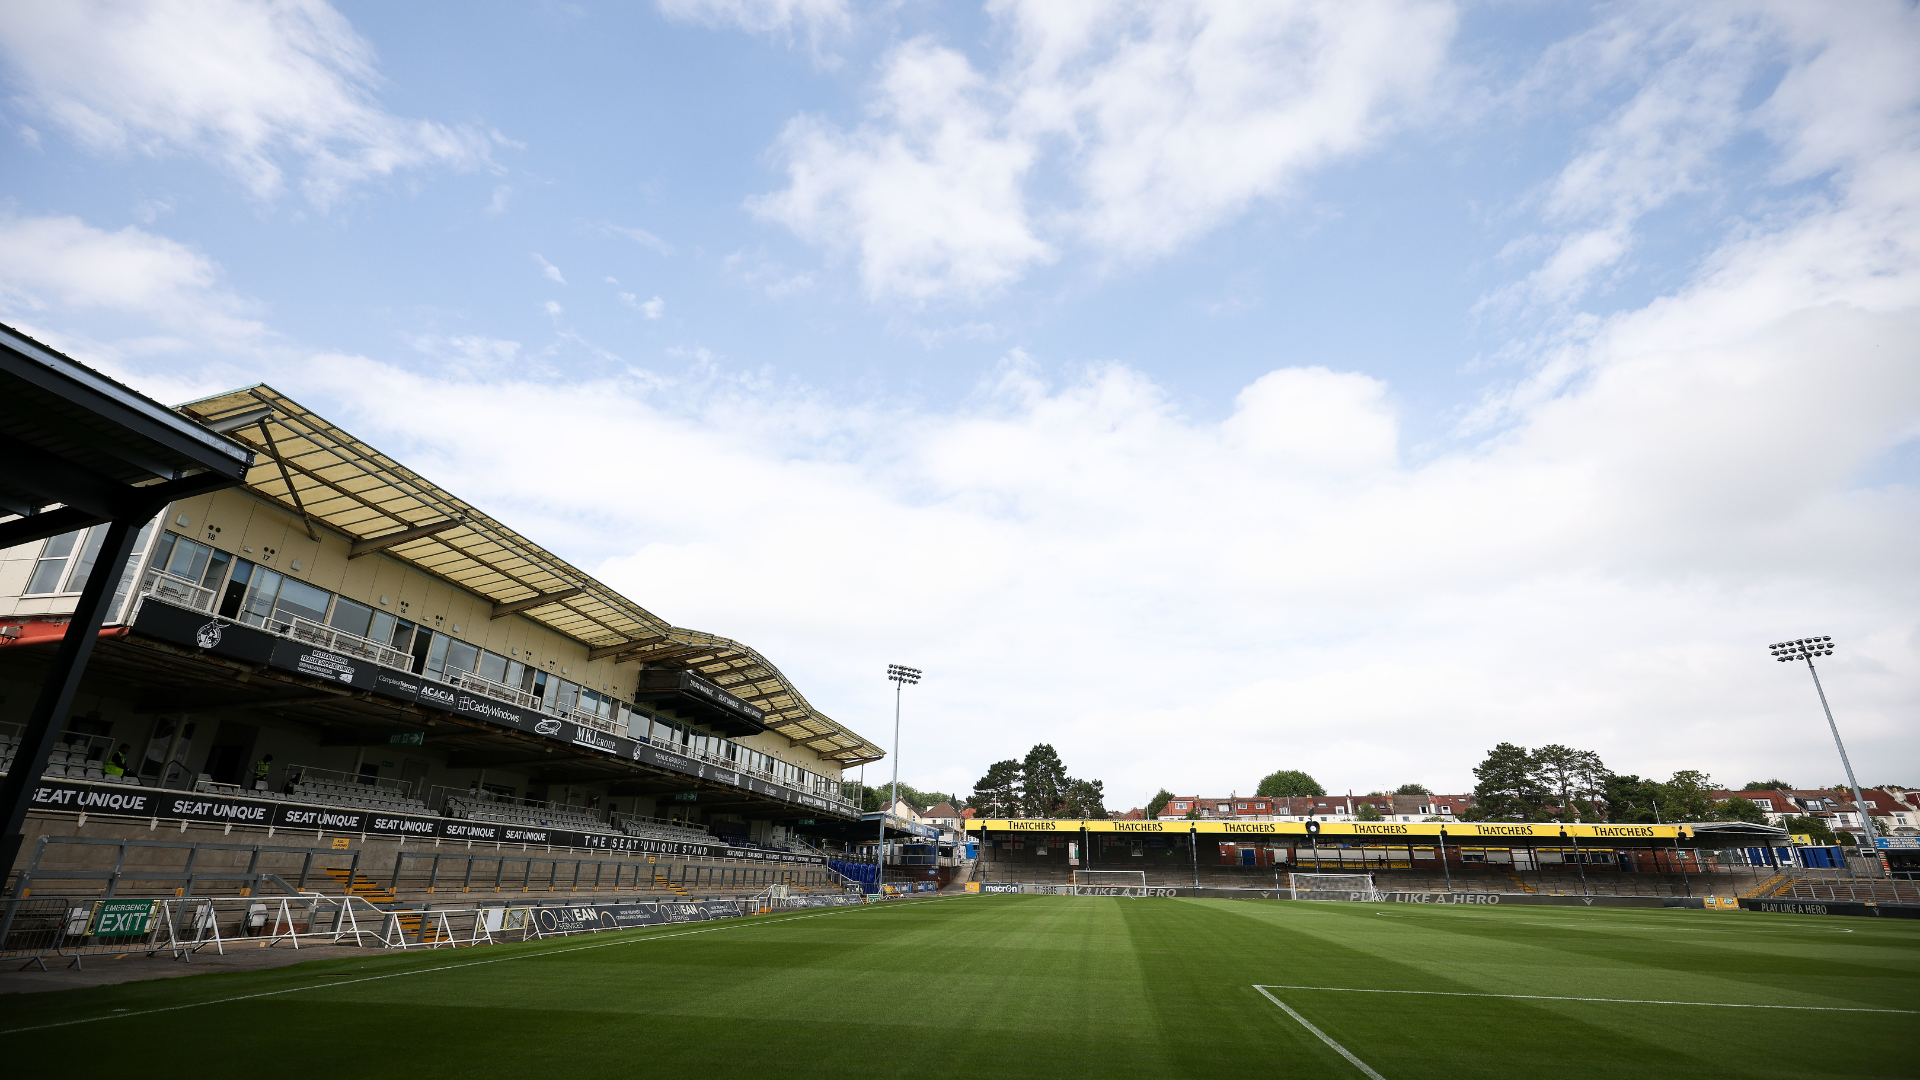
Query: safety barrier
[35, 928]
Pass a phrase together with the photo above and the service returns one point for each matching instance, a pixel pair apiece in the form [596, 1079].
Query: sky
[1202, 388]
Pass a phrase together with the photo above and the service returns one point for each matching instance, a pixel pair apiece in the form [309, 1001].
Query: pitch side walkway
[105, 970]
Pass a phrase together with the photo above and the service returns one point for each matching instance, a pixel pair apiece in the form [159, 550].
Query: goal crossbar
[1333, 887]
[1109, 882]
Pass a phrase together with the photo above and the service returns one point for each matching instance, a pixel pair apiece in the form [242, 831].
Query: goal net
[1332, 886]
[1110, 882]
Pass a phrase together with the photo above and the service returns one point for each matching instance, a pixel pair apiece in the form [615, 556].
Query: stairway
[1770, 887]
[362, 886]
[661, 884]
[378, 895]
[1518, 881]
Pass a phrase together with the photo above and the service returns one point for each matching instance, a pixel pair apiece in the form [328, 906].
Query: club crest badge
[209, 635]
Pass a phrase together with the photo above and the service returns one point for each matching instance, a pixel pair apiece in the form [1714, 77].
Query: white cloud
[552, 307]
[263, 87]
[638, 236]
[1182, 113]
[928, 198]
[62, 264]
[1169, 117]
[779, 18]
[502, 194]
[547, 269]
[652, 309]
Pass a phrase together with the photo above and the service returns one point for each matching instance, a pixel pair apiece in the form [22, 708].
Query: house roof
[942, 809]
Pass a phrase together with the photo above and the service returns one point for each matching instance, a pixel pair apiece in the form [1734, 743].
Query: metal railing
[817, 786]
[662, 828]
[334, 640]
[315, 783]
[176, 590]
[486, 806]
[467, 680]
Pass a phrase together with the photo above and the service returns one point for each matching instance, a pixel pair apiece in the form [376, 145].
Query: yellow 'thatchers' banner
[1347, 831]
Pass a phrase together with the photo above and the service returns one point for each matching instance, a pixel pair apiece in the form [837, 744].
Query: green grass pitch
[1039, 986]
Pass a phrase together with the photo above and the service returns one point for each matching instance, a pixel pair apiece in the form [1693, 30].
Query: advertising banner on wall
[116, 800]
[588, 918]
[197, 630]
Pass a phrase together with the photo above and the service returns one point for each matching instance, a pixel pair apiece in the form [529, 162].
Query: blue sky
[1374, 367]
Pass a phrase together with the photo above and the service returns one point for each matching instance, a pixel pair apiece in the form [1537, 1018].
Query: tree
[997, 794]
[1508, 788]
[1368, 812]
[1688, 797]
[1739, 809]
[1412, 789]
[1766, 785]
[1289, 783]
[1086, 799]
[1158, 803]
[1810, 827]
[1043, 782]
[1631, 800]
[1570, 776]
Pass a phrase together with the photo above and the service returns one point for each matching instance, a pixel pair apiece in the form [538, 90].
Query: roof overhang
[95, 449]
[332, 480]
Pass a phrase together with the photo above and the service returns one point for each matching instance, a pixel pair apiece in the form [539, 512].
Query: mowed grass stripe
[61, 1001]
[1026, 986]
[1490, 950]
[1609, 1001]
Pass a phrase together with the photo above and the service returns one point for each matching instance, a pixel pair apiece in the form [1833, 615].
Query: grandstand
[339, 652]
[1668, 861]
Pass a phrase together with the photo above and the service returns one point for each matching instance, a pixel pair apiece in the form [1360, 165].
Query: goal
[1110, 883]
[1332, 886]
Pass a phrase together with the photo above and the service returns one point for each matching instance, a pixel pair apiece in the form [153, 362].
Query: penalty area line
[1613, 1001]
[1322, 1036]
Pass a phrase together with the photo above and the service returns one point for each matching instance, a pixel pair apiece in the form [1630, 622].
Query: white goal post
[1333, 887]
[1109, 883]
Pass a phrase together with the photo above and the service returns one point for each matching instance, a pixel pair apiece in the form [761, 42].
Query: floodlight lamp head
[1803, 648]
[902, 674]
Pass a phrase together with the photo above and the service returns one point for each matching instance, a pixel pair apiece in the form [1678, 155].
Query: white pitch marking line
[1601, 928]
[1322, 1036]
[1615, 1001]
[121, 1014]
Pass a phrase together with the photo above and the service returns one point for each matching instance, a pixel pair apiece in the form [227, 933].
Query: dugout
[1489, 856]
[394, 655]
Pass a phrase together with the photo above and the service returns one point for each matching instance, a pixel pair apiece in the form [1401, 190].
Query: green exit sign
[686, 796]
[804, 821]
[407, 738]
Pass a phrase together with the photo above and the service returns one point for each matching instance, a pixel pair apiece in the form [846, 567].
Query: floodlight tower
[1806, 649]
[901, 677]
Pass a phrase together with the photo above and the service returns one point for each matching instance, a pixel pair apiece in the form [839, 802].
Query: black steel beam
[40, 526]
[501, 611]
[386, 540]
[56, 694]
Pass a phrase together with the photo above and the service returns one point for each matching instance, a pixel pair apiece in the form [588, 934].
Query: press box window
[352, 617]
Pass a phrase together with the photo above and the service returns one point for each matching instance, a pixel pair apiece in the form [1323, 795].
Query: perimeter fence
[34, 929]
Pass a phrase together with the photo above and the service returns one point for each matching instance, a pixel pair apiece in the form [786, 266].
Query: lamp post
[1806, 649]
[901, 677]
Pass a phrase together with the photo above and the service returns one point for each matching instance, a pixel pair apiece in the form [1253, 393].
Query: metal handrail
[335, 640]
[177, 590]
[467, 680]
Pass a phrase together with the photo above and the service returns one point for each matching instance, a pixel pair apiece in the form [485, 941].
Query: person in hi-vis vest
[117, 761]
[260, 769]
